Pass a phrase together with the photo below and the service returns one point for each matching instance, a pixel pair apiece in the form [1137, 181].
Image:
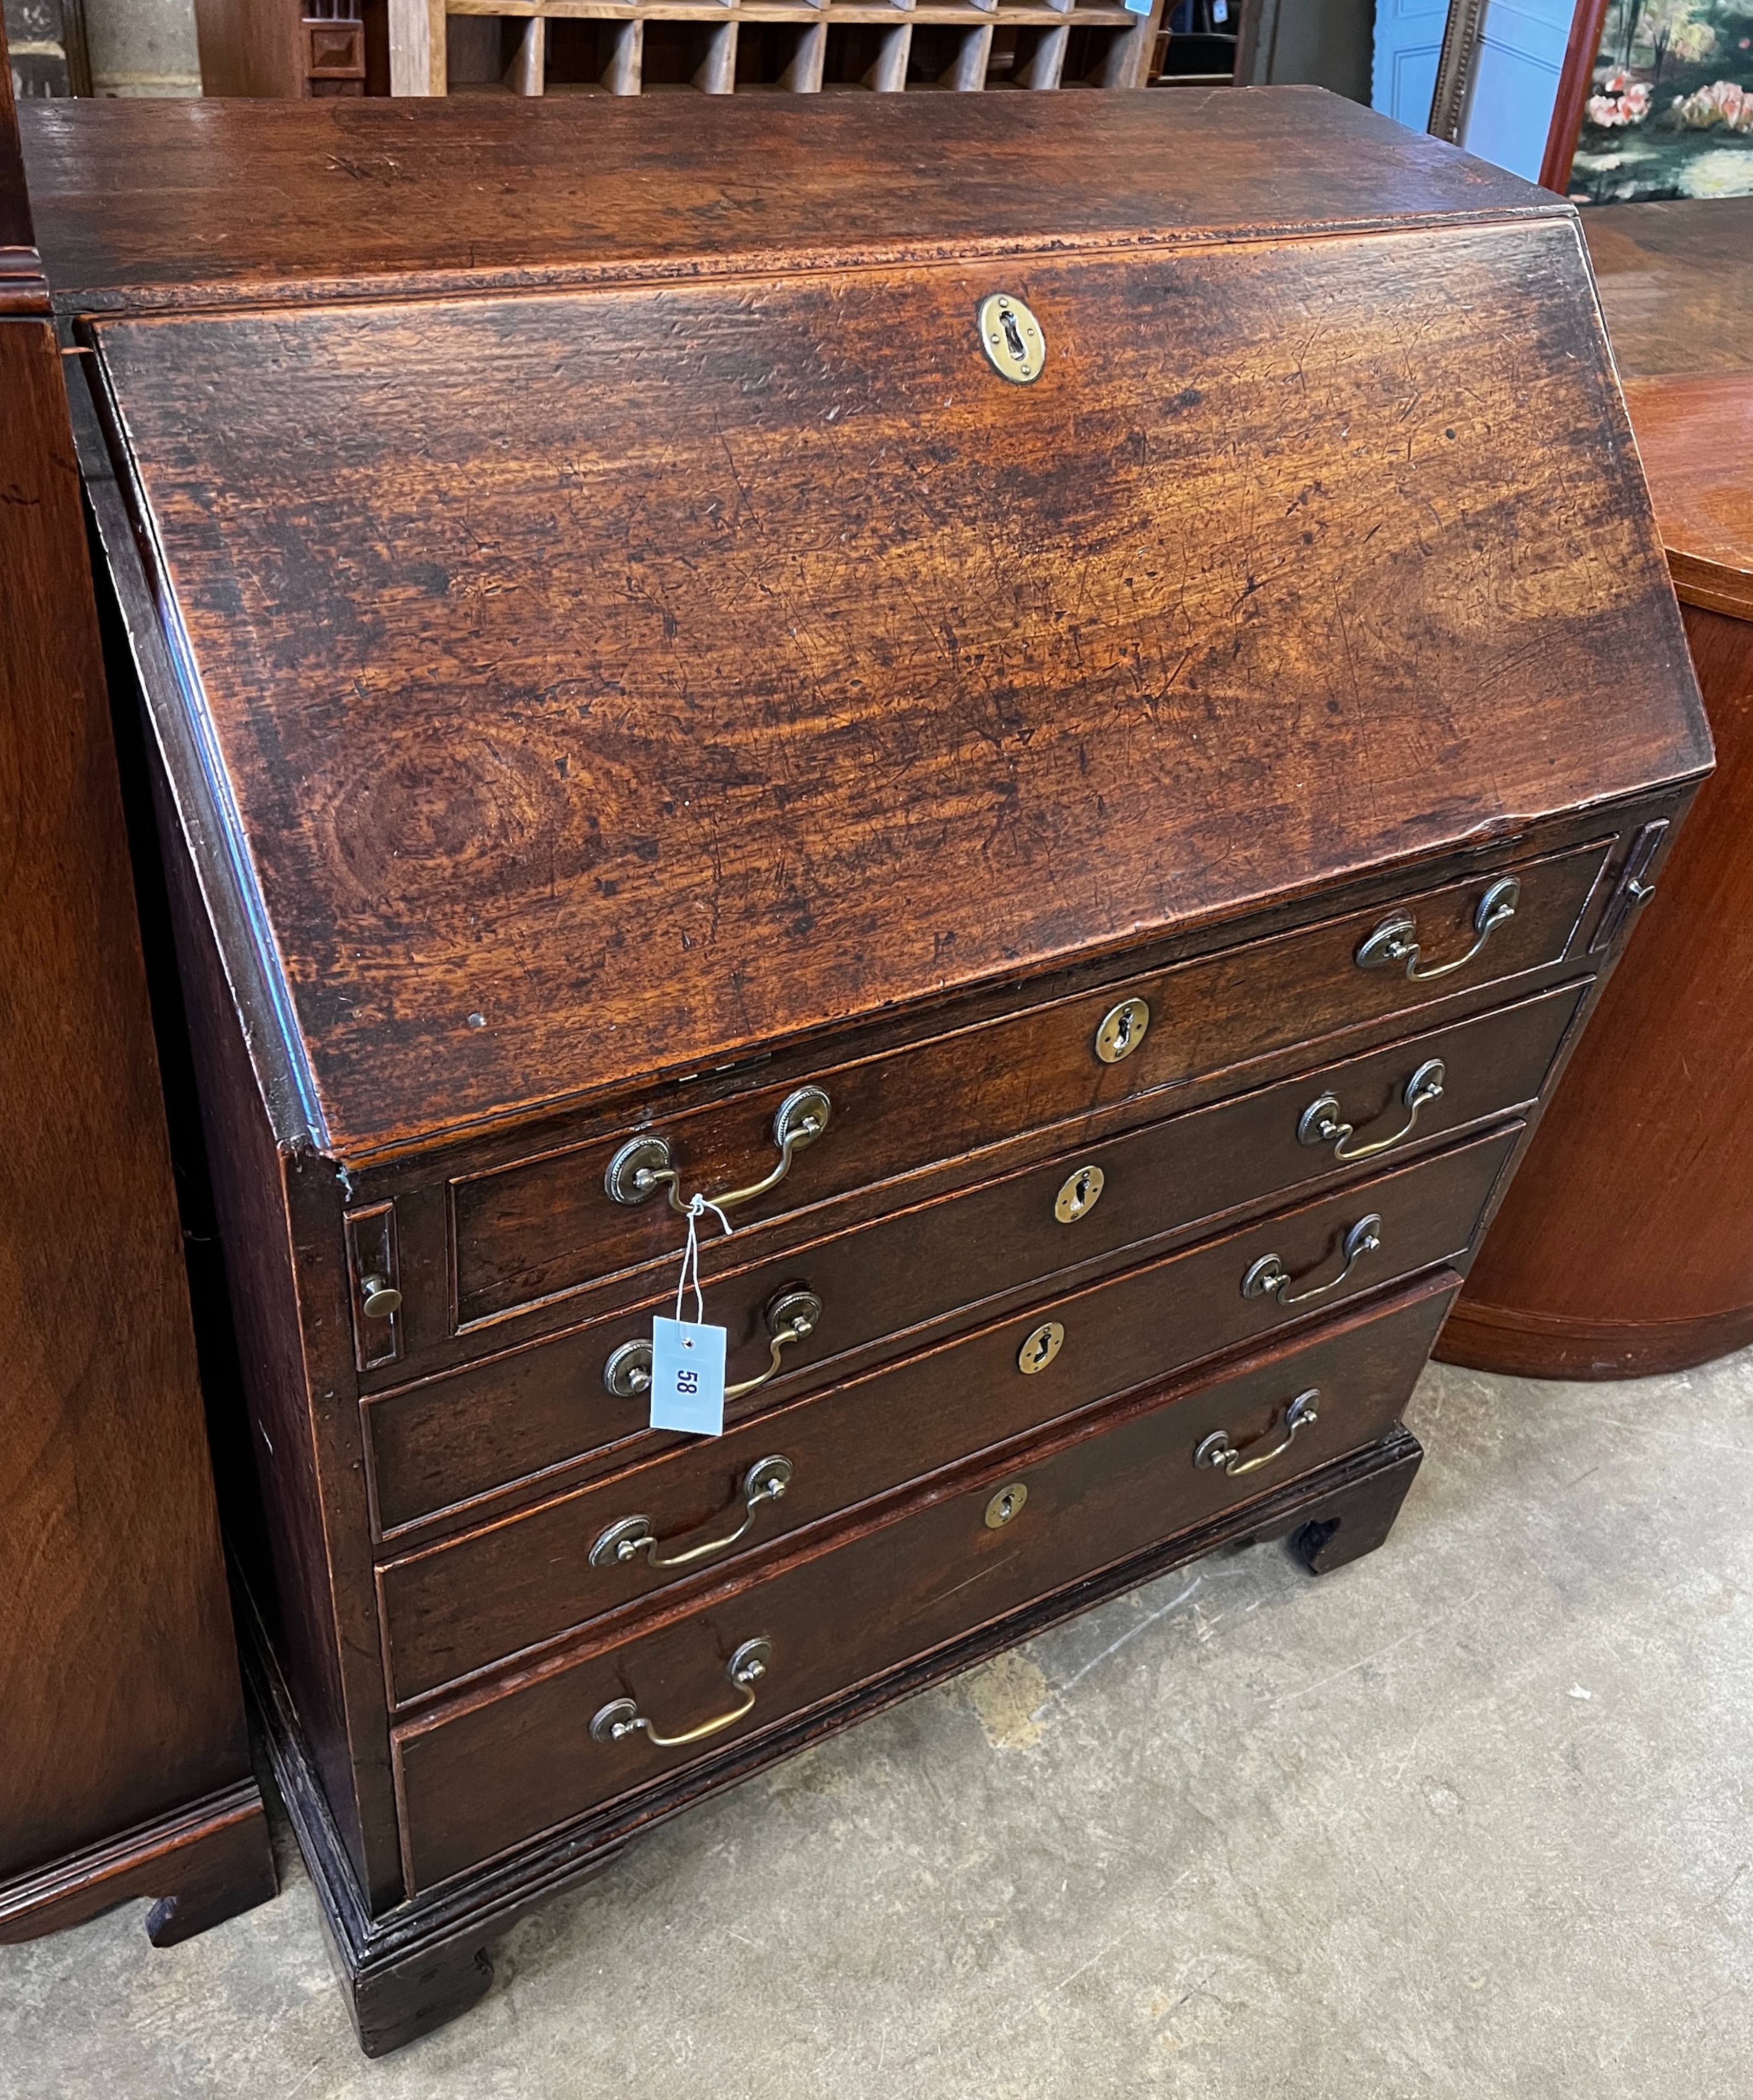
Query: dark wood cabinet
[1627, 1249]
[127, 1770]
[1022, 715]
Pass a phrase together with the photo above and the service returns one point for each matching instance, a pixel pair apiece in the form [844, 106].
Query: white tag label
[687, 1377]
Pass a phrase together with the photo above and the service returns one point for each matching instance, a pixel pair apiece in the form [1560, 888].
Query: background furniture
[678, 713]
[531, 48]
[126, 1769]
[1626, 1248]
[47, 39]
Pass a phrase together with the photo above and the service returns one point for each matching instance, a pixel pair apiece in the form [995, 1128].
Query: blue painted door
[1403, 71]
[1515, 83]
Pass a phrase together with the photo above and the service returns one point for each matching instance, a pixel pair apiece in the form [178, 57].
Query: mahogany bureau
[1062, 704]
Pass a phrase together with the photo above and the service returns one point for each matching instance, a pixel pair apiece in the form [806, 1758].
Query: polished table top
[1676, 285]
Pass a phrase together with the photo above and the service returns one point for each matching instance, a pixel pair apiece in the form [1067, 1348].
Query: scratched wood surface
[205, 203]
[613, 682]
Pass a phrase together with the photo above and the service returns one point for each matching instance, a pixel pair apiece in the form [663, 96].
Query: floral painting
[1671, 110]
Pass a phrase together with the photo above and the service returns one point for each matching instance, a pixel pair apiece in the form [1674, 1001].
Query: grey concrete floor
[1473, 1817]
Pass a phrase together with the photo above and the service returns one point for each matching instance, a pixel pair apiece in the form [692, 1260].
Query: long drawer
[477, 1779]
[451, 1439]
[492, 1594]
[528, 1232]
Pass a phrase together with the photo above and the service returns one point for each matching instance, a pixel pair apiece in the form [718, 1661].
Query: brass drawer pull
[1217, 1450]
[644, 1165]
[793, 1315]
[1321, 1122]
[1395, 941]
[378, 1297]
[1269, 1276]
[765, 1481]
[617, 1721]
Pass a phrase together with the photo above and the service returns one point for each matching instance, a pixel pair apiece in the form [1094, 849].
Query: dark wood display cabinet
[124, 1770]
[1018, 712]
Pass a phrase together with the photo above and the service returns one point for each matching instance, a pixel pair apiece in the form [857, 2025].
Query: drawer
[478, 1780]
[527, 1233]
[458, 1435]
[472, 1603]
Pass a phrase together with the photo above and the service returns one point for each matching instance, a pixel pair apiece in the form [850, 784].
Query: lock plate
[1011, 338]
[1007, 1503]
[1079, 1194]
[1122, 1031]
[1038, 1350]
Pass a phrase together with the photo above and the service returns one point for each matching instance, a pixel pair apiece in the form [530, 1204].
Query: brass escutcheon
[1038, 1350]
[1122, 1031]
[1079, 1194]
[1011, 338]
[1006, 1504]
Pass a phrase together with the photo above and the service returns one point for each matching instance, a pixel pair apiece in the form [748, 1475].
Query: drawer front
[464, 1434]
[474, 1602]
[477, 1781]
[525, 1234]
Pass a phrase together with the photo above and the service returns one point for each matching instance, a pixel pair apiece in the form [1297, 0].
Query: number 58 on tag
[687, 1377]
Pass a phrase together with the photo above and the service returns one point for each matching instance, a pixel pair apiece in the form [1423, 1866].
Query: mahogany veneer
[1627, 1249]
[625, 669]
[125, 1771]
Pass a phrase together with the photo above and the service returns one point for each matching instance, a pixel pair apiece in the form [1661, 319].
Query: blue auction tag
[687, 1377]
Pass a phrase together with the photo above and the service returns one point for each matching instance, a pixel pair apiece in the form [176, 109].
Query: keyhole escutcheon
[1039, 1349]
[1079, 1194]
[1011, 338]
[1122, 1031]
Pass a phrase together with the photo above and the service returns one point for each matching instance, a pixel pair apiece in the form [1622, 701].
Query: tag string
[698, 1206]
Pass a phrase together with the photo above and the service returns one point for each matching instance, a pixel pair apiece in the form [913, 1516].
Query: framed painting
[1665, 108]
[1610, 101]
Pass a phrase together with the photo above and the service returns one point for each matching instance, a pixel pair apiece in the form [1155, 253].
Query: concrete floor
[1472, 1818]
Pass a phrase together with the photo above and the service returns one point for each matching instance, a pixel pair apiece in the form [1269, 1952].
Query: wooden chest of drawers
[1095, 872]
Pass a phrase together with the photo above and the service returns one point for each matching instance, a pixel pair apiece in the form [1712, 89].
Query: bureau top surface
[593, 681]
[200, 200]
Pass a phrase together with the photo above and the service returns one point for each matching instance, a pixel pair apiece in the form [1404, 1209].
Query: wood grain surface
[875, 1594]
[1695, 435]
[119, 1690]
[920, 1273]
[458, 1608]
[575, 732]
[223, 200]
[1674, 283]
[540, 1227]
[1625, 1247]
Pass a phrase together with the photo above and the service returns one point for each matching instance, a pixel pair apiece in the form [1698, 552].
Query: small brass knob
[378, 1297]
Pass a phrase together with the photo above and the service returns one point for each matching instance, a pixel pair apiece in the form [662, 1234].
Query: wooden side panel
[1626, 1246]
[118, 1679]
[574, 737]
[280, 1340]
